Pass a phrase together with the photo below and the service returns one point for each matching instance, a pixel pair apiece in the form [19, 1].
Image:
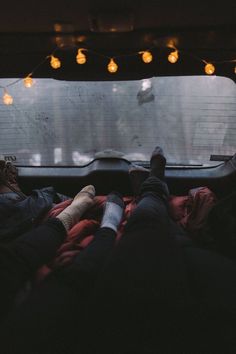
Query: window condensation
[71, 123]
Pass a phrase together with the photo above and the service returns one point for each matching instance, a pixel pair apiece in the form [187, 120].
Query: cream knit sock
[81, 203]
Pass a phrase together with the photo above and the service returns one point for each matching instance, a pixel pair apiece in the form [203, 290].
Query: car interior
[89, 88]
[74, 122]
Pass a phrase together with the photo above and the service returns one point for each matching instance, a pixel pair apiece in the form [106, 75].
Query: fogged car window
[71, 123]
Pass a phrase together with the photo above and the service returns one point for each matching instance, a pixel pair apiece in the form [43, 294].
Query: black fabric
[20, 260]
[220, 229]
[158, 293]
[18, 217]
[212, 279]
[127, 273]
[142, 301]
[155, 293]
[52, 319]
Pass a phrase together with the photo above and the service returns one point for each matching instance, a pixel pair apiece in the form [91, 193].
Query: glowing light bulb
[55, 62]
[173, 57]
[7, 99]
[112, 67]
[80, 57]
[235, 69]
[146, 57]
[209, 69]
[28, 81]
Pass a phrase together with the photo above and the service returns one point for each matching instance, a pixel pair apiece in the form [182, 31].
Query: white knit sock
[113, 212]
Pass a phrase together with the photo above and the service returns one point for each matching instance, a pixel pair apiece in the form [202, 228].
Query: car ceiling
[32, 30]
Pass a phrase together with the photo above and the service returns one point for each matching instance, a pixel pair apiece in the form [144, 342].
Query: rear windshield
[71, 123]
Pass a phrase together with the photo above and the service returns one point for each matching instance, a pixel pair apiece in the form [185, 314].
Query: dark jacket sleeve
[17, 218]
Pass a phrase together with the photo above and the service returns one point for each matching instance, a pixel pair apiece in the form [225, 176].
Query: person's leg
[82, 202]
[20, 259]
[88, 263]
[152, 204]
[139, 174]
[153, 193]
[53, 315]
[141, 294]
[211, 277]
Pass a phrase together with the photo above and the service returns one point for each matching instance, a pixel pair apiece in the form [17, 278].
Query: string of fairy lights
[112, 66]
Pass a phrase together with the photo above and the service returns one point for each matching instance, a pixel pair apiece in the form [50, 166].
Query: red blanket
[189, 211]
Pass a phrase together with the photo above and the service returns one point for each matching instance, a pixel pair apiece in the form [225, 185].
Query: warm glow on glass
[146, 57]
[7, 99]
[55, 62]
[28, 81]
[80, 57]
[173, 57]
[235, 69]
[112, 66]
[209, 69]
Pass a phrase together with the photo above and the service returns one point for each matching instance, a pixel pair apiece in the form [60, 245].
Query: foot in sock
[157, 163]
[137, 175]
[113, 211]
[80, 204]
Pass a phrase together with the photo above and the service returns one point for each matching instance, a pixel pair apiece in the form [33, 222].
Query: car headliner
[199, 29]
